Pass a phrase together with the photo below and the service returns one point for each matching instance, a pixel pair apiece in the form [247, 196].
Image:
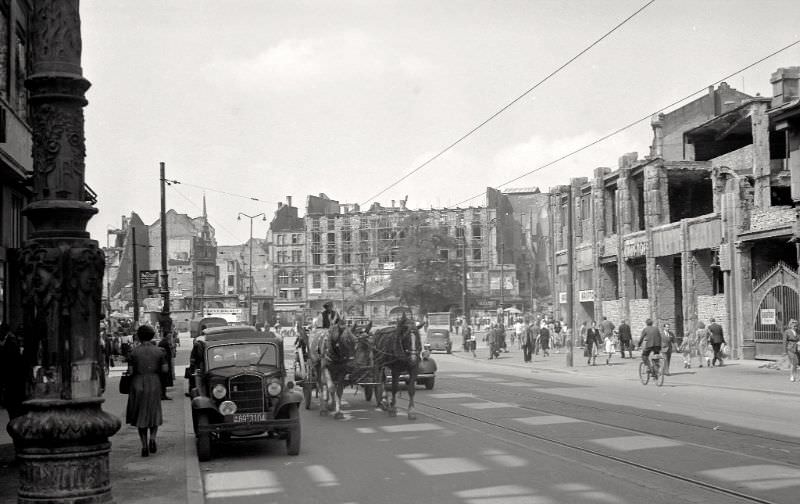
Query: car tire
[368, 393]
[449, 350]
[293, 434]
[203, 439]
[429, 383]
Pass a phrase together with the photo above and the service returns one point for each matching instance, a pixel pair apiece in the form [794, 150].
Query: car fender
[203, 402]
[289, 398]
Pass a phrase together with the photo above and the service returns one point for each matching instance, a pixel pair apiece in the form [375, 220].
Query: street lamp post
[61, 432]
[250, 288]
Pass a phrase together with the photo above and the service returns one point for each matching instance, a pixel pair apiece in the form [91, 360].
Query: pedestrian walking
[168, 378]
[667, 346]
[593, 342]
[701, 344]
[544, 341]
[608, 342]
[717, 339]
[790, 342]
[606, 328]
[625, 339]
[143, 411]
[582, 333]
[528, 341]
[556, 337]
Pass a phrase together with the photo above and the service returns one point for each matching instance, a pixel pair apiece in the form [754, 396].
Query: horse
[398, 348]
[330, 354]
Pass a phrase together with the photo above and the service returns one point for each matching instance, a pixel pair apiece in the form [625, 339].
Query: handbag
[124, 383]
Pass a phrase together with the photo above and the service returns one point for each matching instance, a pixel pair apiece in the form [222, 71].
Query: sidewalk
[170, 476]
[750, 375]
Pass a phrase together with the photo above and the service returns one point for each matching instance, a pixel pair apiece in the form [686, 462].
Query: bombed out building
[701, 227]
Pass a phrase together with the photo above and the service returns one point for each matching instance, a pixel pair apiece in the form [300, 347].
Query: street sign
[254, 310]
[768, 316]
[148, 279]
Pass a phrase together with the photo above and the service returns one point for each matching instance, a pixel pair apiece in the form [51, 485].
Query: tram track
[441, 414]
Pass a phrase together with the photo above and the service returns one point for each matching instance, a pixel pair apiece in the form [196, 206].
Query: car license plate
[249, 417]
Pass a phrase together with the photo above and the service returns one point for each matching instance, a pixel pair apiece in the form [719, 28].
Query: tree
[424, 276]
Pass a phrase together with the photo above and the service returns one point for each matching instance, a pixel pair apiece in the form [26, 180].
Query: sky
[250, 101]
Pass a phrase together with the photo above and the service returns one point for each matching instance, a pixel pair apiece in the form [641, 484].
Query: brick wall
[639, 312]
[665, 291]
[770, 218]
[712, 306]
[740, 160]
[612, 310]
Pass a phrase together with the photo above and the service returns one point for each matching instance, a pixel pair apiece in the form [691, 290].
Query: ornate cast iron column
[62, 440]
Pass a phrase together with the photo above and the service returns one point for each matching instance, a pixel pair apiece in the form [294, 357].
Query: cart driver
[329, 315]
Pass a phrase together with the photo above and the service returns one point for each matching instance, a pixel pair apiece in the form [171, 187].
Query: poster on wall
[768, 316]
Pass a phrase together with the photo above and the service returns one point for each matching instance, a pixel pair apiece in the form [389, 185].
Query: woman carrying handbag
[145, 365]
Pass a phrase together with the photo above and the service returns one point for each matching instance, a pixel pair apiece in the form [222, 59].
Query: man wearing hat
[329, 315]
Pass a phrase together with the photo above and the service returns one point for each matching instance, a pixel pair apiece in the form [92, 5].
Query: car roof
[231, 333]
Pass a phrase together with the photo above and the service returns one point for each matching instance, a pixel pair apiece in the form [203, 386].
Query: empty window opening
[690, 194]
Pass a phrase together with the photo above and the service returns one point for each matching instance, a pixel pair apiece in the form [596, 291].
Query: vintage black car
[239, 388]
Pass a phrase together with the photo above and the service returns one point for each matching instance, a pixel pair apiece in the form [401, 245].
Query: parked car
[438, 340]
[426, 372]
[239, 388]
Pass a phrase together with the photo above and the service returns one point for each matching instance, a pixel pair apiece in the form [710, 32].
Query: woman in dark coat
[593, 342]
[168, 378]
[145, 364]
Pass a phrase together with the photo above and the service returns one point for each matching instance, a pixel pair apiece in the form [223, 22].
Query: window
[444, 254]
[283, 257]
[21, 74]
[459, 232]
[283, 277]
[346, 258]
[347, 236]
[281, 239]
[297, 294]
[459, 252]
[316, 281]
[316, 258]
[331, 237]
[316, 238]
[585, 207]
[230, 281]
[231, 266]
[283, 294]
[476, 254]
[315, 223]
[297, 256]
[331, 280]
[363, 235]
[477, 231]
[4, 54]
[331, 257]
[297, 277]
[347, 281]
[295, 239]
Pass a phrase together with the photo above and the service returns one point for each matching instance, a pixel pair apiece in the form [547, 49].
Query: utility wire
[176, 182]
[634, 123]
[199, 208]
[508, 105]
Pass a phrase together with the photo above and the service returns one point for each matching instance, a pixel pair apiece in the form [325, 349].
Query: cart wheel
[368, 392]
[203, 439]
[293, 434]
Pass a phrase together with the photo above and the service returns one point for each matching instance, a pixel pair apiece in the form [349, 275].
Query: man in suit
[625, 339]
[717, 339]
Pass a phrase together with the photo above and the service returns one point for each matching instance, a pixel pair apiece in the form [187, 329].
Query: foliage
[422, 277]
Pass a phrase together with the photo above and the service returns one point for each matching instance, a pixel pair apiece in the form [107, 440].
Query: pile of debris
[780, 364]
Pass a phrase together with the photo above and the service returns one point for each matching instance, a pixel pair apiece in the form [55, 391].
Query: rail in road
[768, 463]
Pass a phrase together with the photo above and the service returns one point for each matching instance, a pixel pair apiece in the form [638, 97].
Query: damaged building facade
[701, 228]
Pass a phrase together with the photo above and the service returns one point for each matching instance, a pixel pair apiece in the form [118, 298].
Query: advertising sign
[148, 279]
[586, 296]
[562, 297]
[768, 316]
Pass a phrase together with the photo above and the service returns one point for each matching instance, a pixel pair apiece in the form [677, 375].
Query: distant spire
[205, 214]
[206, 232]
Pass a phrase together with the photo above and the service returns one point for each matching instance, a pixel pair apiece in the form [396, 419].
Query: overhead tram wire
[175, 182]
[509, 104]
[634, 123]
[200, 208]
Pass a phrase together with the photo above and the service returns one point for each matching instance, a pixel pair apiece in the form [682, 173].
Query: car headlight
[227, 408]
[274, 388]
[219, 391]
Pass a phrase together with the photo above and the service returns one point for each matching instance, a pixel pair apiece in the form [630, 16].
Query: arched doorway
[776, 302]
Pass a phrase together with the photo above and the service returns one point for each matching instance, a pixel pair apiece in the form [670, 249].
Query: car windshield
[437, 335]
[242, 355]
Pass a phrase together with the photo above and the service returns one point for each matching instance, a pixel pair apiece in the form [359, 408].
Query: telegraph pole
[135, 284]
[164, 320]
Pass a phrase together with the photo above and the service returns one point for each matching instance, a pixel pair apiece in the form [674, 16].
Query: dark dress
[167, 379]
[144, 399]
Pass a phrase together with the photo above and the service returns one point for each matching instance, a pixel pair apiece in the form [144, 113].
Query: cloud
[310, 62]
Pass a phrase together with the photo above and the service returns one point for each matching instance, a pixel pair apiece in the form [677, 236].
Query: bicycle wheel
[644, 373]
[658, 365]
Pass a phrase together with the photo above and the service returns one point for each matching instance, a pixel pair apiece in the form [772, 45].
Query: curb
[195, 494]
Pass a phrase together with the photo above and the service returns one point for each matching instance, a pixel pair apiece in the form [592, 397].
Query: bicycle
[657, 373]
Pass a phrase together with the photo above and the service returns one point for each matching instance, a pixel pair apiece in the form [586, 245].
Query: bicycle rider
[650, 341]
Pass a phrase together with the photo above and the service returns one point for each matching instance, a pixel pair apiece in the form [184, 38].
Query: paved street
[501, 432]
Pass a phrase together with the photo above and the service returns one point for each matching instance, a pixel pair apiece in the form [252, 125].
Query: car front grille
[247, 391]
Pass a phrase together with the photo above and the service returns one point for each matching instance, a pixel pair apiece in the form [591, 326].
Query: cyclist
[650, 342]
